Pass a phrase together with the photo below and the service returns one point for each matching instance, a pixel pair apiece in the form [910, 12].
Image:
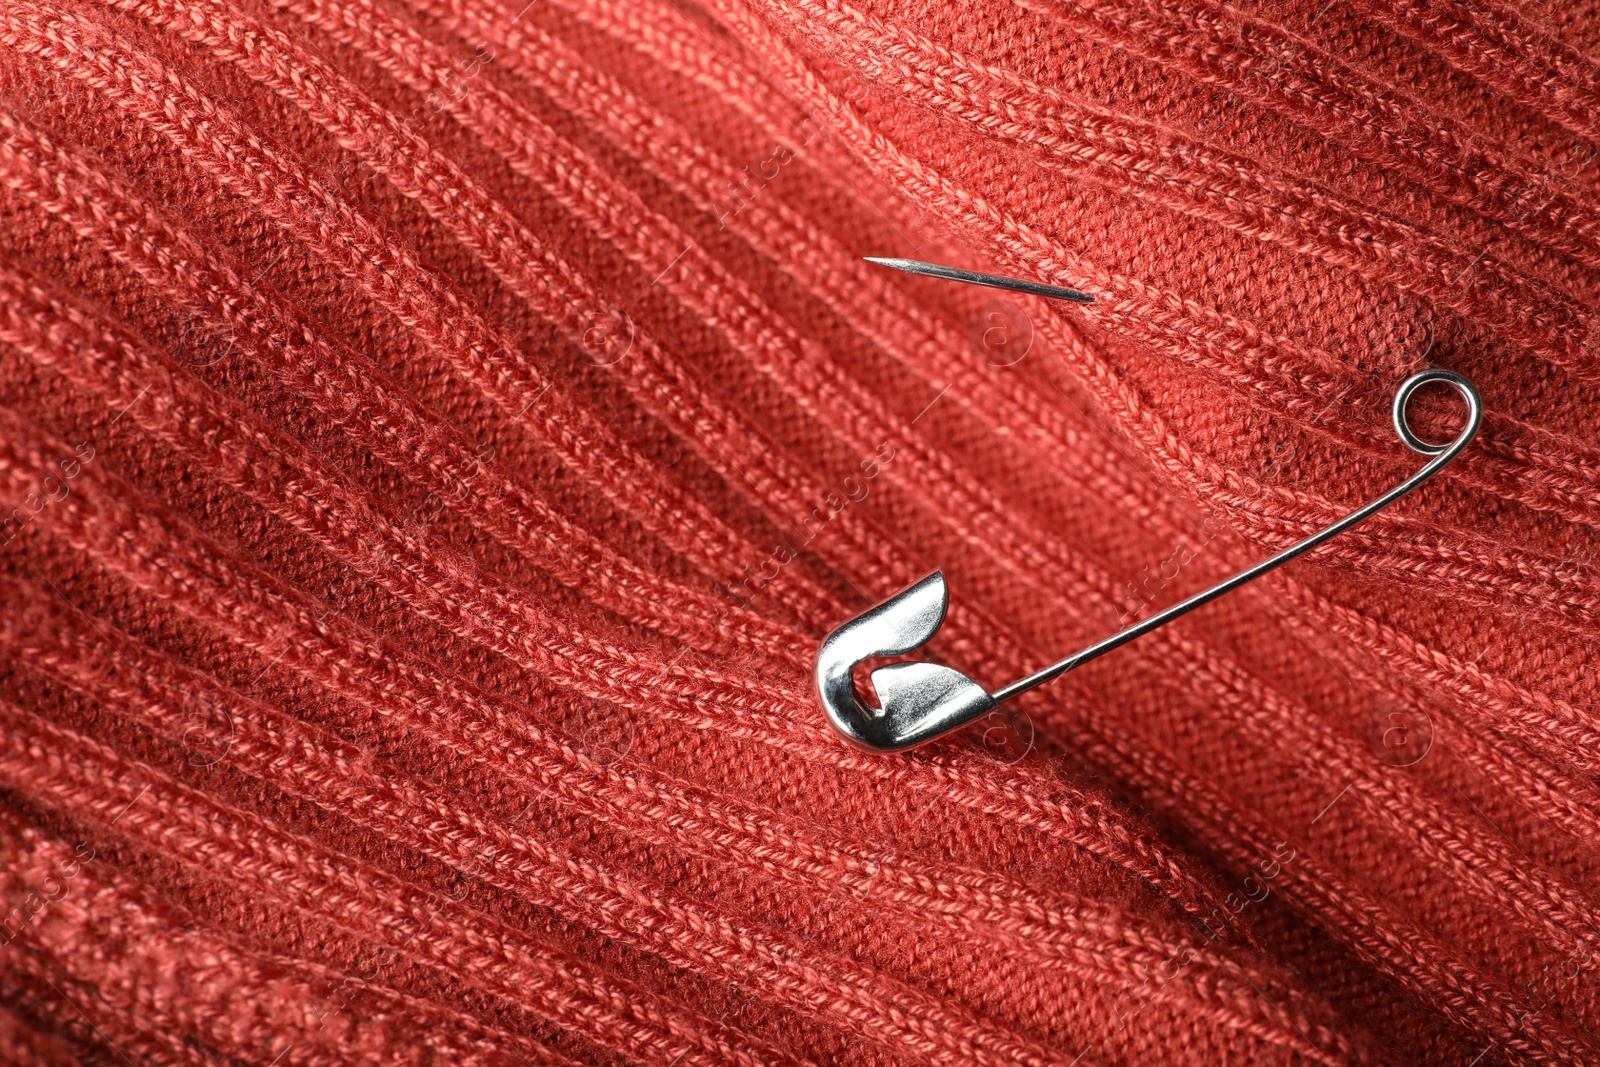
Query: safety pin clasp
[920, 700]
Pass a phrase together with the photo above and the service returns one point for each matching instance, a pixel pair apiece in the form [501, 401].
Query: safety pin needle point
[993, 281]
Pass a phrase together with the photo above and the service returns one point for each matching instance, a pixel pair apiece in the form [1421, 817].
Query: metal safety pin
[923, 701]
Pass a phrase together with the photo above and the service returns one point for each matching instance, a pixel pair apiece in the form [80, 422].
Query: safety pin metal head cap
[920, 700]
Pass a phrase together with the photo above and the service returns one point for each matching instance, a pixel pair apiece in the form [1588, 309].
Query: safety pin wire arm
[1442, 456]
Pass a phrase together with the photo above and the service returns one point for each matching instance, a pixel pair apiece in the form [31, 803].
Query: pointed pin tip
[994, 281]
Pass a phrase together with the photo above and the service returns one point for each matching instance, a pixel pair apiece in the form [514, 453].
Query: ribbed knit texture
[435, 436]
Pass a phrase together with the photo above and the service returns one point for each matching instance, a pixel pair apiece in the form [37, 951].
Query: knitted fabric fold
[435, 437]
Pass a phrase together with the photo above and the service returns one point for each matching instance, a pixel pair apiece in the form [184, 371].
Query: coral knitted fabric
[434, 437]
